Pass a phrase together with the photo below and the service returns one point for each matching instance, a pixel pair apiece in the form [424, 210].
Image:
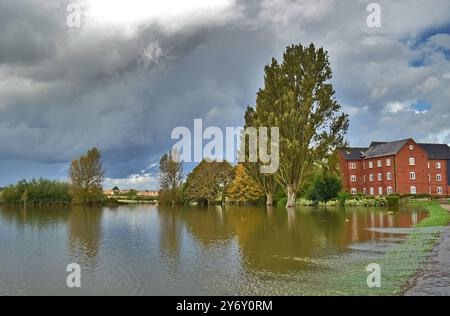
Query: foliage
[305, 202]
[393, 201]
[243, 188]
[171, 177]
[324, 187]
[373, 202]
[86, 175]
[299, 99]
[208, 182]
[267, 182]
[36, 192]
[342, 197]
[166, 197]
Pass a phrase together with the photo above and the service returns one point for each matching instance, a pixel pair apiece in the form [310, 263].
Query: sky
[136, 69]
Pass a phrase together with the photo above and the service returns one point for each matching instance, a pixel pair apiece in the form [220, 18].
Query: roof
[437, 151]
[379, 149]
[354, 153]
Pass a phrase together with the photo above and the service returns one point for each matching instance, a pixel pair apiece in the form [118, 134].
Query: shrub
[304, 202]
[323, 188]
[342, 197]
[282, 201]
[393, 201]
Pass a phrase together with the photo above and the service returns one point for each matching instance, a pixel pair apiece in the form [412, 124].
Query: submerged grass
[400, 263]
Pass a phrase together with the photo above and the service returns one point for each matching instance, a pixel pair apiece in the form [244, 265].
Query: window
[412, 175]
[353, 178]
[411, 147]
[380, 191]
[413, 190]
[371, 178]
[364, 177]
[390, 190]
[438, 165]
[354, 191]
[388, 162]
[370, 164]
[364, 165]
[372, 191]
[353, 165]
[440, 191]
[412, 161]
[379, 164]
[365, 191]
[380, 177]
[389, 176]
[438, 177]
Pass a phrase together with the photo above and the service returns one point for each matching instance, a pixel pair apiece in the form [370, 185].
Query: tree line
[85, 186]
[299, 99]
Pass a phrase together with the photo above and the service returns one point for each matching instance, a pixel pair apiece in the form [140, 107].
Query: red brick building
[397, 167]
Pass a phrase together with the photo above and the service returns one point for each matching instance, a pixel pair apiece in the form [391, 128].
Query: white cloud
[172, 15]
[138, 182]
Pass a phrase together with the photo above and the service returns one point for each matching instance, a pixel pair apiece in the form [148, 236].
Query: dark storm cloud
[64, 90]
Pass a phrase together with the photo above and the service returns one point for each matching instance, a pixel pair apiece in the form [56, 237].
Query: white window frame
[439, 177]
[370, 164]
[389, 176]
[379, 164]
[380, 191]
[390, 190]
[353, 178]
[380, 177]
[364, 178]
[353, 165]
[438, 165]
[371, 177]
[412, 176]
[440, 191]
[372, 191]
[364, 190]
[413, 190]
[412, 161]
[354, 191]
[388, 162]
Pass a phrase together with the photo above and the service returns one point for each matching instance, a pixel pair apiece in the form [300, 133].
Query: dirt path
[434, 276]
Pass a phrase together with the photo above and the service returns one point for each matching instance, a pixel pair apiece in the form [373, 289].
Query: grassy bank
[400, 263]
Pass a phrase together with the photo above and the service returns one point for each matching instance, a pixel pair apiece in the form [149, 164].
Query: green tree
[298, 98]
[171, 177]
[243, 188]
[208, 182]
[86, 175]
[324, 187]
[267, 182]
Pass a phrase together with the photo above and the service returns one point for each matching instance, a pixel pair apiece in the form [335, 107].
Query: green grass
[438, 215]
[398, 265]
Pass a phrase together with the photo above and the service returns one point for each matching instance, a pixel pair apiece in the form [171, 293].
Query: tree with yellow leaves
[243, 188]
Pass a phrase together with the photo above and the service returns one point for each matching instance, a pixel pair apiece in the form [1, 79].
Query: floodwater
[150, 250]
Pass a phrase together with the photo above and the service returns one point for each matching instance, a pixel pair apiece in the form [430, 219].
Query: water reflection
[85, 234]
[183, 248]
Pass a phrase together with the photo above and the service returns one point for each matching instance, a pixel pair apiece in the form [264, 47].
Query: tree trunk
[269, 201]
[291, 196]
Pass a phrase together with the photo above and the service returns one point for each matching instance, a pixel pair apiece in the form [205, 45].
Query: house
[402, 166]
[148, 193]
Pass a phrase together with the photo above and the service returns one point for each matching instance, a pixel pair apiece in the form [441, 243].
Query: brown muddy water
[149, 250]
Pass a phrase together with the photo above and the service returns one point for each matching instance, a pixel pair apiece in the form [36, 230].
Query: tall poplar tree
[298, 98]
